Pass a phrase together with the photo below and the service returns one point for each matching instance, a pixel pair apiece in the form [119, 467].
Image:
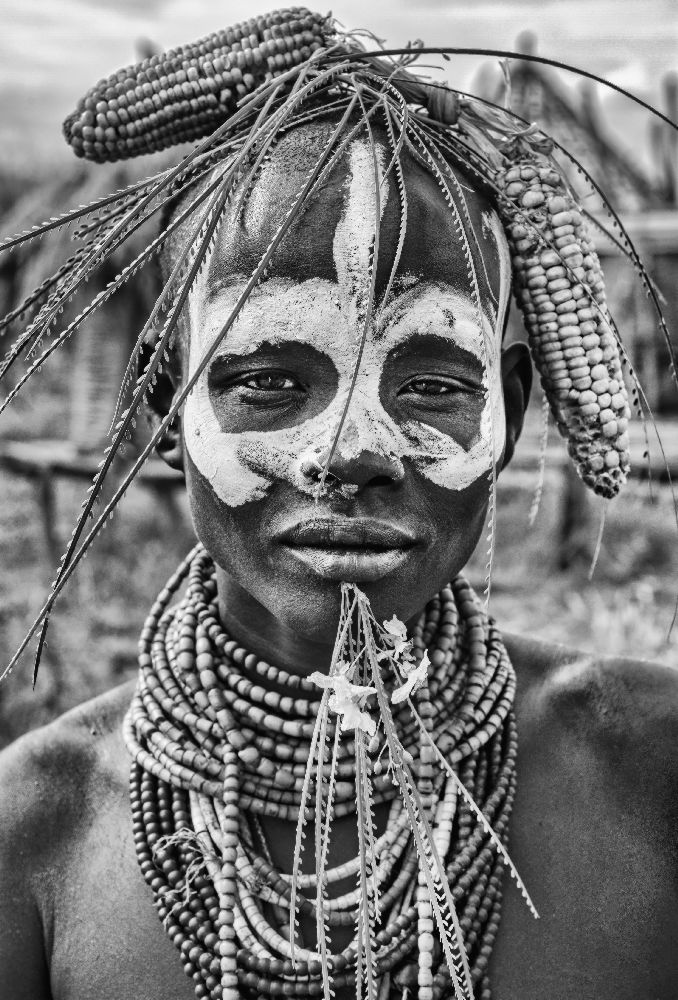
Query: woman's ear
[516, 375]
[158, 401]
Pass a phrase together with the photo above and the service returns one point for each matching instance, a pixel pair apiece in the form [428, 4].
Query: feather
[464, 225]
[297, 206]
[130, 221]
[431, 864]
[541, 464]
[35, 232]
[39, 293]
[320, 858]
[71, 557]
[101, 297]
[301, 821]
[599, 540]
[164, 296]
[396, 165]
[366, 872]
[468, 798]
[320, 897]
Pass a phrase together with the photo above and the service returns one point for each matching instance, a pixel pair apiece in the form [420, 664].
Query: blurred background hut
[51, 443]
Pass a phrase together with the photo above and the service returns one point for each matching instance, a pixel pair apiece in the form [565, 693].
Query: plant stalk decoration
[374, 668]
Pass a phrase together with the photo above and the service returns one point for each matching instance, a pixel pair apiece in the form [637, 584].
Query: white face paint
[329, 317]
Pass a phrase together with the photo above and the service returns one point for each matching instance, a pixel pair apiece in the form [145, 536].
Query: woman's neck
[259, 631]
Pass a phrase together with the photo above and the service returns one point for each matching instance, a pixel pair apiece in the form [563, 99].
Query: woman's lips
[355, 550]
[351, 565]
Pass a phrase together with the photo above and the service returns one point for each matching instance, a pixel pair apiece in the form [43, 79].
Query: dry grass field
[626, 609]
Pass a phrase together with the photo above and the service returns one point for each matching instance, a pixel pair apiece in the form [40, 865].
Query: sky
[51, 51]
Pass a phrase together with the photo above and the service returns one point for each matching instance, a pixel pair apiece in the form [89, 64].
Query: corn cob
[558, 284]
[186, 93]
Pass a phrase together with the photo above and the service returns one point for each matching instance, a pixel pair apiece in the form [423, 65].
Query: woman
[337, 395]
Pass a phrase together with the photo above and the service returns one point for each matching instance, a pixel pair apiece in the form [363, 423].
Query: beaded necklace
[214, 750]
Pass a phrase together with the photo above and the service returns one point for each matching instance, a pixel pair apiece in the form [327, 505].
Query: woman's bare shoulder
[624, 710]
[617, 689]
[53, 776]
[53, 782]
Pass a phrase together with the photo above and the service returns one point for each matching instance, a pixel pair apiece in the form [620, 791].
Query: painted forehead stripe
[433, 248]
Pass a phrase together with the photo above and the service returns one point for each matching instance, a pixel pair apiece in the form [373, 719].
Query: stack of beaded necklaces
[214, 751]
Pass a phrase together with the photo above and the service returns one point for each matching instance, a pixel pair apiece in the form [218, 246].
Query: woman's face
[404, 502]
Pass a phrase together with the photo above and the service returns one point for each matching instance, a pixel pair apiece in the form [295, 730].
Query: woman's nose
[367, 468]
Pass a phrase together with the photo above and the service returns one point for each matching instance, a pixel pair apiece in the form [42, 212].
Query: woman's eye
[270, 382]
[435, 386]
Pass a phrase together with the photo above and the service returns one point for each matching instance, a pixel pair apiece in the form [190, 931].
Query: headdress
[237, 91]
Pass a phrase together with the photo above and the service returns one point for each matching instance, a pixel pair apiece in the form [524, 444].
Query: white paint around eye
[242, 466]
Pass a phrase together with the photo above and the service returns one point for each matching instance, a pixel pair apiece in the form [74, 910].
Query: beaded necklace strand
[213, 750]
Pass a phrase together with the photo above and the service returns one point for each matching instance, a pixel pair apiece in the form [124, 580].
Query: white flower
[353, 718]
[415, 676]
[347, 699]
[396, 628]
[396, 632]
[329, 680]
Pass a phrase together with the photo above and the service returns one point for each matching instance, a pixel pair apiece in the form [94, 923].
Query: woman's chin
[311, 607]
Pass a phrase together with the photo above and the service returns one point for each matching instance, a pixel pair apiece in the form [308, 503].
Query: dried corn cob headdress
[238, 91]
